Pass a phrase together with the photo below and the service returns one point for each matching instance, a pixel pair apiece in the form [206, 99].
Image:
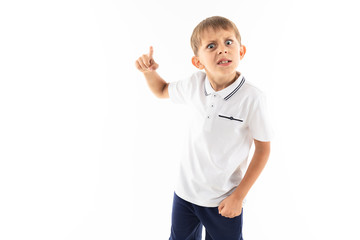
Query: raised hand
[146, 62]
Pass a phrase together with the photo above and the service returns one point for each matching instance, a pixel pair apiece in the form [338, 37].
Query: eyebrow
[229, 37]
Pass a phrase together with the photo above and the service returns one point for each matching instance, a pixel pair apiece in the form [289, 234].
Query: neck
[219, 84]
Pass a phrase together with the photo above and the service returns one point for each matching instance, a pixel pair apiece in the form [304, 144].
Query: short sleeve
[259, 121]
[179, 91]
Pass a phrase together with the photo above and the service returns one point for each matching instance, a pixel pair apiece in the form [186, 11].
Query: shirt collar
[227, 92]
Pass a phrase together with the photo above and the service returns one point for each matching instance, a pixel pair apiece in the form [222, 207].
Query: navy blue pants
[188, 220]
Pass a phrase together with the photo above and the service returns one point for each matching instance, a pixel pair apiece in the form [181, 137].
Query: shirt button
[212, 105]
[208, 116]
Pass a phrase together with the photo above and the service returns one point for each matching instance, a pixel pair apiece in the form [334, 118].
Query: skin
[232, 205]
[215, 45]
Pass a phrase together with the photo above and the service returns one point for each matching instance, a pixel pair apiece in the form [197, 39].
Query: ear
[196, 62]
[242, 51]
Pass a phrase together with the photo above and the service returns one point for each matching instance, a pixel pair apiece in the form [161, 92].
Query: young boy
[229, 115]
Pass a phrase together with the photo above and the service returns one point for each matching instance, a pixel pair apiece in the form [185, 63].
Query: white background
[87, 152]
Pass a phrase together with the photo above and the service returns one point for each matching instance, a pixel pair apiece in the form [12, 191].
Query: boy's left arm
[232, 205]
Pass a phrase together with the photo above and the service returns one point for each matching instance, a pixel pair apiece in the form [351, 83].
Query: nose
[223, 51]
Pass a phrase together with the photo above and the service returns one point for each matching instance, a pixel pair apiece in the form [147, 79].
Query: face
[219, 53]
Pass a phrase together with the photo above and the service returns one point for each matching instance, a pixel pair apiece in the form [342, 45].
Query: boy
[229, 114]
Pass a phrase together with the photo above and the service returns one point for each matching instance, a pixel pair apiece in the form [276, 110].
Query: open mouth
[224, 62]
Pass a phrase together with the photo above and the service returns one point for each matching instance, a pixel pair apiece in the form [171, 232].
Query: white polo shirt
[223, 126]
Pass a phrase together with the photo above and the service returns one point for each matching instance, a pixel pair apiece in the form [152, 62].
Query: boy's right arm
[148, 66]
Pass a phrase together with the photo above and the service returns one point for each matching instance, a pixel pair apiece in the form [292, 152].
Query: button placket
[211, 107]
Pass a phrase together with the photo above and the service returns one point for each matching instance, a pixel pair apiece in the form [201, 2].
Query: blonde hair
[215, 22]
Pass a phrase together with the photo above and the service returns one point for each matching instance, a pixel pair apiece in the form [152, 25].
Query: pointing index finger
[151, 52]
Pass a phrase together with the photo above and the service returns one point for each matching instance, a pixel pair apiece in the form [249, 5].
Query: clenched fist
[230, 207]
[146, 63]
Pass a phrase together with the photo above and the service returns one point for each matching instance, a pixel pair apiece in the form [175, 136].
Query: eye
[228, 42]
[211, 45]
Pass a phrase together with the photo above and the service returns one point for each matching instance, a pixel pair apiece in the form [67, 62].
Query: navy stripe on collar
[235, 90]
[230, 94]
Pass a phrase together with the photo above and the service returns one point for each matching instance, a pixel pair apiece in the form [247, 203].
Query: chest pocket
[228, 125]
[231, 118]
